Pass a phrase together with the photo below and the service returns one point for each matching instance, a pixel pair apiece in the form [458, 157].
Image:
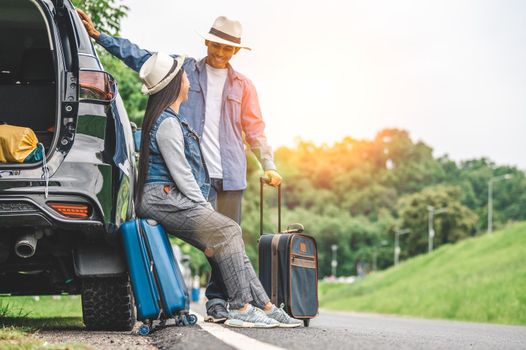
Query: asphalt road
[339, 330]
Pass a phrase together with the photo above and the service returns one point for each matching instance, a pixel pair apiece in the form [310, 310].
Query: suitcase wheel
[192, 319]
[185, 320]
[306, 322]
[180, 320]
[144, 329]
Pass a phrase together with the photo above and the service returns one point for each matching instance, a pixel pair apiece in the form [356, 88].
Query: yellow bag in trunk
[16, 143]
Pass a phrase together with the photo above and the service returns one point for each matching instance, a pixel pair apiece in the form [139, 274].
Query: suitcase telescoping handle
[262, 181]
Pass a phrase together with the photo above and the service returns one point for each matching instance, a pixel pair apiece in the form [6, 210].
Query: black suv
[59, 217]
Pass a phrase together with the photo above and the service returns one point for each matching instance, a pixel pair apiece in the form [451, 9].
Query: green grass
[66, 306]
[480, 279]
[46, 313]
[20, 316]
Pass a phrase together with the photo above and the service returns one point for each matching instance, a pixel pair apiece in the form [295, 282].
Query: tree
[457, 222]
[473, 175]
[106, 14]
[411, 165]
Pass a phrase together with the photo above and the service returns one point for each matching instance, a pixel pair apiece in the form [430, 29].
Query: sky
[451, 72]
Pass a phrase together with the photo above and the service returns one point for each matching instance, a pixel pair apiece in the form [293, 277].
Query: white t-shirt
[210, 142]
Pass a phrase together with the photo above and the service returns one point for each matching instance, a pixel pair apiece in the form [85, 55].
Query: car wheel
[107, 304]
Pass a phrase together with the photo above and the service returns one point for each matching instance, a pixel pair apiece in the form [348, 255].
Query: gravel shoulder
[171, 337]
[98, 340]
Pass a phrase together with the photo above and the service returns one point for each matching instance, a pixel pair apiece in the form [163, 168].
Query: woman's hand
[88, 24]
[274, 178]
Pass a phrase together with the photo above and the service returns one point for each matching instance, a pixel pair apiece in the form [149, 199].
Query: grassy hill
[479, 279]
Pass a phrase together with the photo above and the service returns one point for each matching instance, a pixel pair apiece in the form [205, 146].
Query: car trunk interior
[28, 89]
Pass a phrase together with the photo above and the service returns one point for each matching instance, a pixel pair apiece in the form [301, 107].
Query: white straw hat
[158, 71]
[226, 31]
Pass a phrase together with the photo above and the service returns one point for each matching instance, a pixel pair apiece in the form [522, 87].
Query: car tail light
[96, 85]
[71, 210]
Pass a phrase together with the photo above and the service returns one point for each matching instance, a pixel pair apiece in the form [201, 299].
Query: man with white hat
[222, 108]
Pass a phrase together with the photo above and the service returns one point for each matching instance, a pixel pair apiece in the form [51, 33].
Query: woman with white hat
[173, 187]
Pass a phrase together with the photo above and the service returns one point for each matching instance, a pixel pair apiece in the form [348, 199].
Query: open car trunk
[28, 70]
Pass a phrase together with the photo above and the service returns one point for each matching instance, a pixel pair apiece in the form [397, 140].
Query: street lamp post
[375, 254]
[490, 198]
[334, 262]
[398, 232]
[431, 212]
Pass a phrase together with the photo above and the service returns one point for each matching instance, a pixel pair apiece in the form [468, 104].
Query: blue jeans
[227, 203]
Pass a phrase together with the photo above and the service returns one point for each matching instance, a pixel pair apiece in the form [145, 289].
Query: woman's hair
[157, 103]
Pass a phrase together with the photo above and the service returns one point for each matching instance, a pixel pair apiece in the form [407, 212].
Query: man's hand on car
[88, 24]
[274, 178]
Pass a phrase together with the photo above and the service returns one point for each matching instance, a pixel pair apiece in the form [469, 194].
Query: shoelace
[262, 316]
[284, 316]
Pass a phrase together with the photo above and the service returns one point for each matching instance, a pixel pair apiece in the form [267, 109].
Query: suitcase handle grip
[262, 181]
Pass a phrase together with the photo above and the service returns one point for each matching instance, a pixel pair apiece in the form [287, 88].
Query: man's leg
[227, 203]
[215, 289]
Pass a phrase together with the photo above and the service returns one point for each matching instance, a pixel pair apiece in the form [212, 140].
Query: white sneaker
[285, 321]
[252, 317]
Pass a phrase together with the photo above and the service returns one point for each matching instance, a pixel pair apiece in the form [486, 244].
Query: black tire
[107, 304]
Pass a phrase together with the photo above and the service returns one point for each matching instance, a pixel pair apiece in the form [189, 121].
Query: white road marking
[234, 339]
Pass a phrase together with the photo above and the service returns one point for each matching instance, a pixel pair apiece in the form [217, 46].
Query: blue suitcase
[158, 285]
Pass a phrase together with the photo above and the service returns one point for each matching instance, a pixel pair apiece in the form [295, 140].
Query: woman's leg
[259, 296]
[218, 236]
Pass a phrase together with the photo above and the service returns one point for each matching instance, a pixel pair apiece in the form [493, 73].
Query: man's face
[219, 54]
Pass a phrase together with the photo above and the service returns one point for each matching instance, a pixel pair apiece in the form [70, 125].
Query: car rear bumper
[32, 210]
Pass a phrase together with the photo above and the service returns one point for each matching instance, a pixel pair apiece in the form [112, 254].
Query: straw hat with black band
[158, 71]
[227, 32]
